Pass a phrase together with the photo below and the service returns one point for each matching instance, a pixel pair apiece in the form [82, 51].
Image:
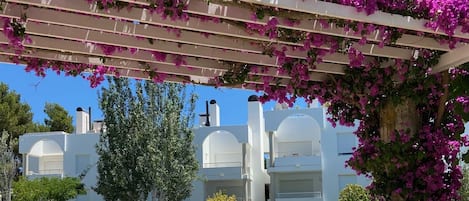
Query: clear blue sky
[73, 92]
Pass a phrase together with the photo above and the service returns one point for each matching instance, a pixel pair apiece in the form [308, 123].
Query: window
[345, 143]
[297, 185]
[346, 179]
[81, 163]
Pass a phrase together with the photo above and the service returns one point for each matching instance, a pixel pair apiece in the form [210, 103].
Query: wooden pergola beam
[74, 30]
[452, 59]
[245, 15]
[334, 10]
[204, 27]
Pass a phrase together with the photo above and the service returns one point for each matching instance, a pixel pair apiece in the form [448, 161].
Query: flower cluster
[464, 101]
[445, 15]
[95, 74]
[413, 163]
[14, 30]
[407, 162]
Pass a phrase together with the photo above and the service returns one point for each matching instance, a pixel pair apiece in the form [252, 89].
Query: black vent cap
[253, 98]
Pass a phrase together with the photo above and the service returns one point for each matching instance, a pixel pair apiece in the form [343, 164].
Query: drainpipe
[207, 120]
[25, 164]
[271, 148]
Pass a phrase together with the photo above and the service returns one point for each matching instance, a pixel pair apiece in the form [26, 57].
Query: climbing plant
[411, 119]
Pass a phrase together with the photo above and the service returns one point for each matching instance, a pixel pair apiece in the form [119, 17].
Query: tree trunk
[398, 117]
[402, 117]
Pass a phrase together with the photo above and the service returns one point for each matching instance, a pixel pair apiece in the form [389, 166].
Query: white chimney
[257, 126]
[83, 121]
[314, 104]
[214, 112]
[281, 106]
[98, 125]
[202, 120]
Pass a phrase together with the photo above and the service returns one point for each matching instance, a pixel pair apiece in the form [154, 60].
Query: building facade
[59, 154]
[280, 155]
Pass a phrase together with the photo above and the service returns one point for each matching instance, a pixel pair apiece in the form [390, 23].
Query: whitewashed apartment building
[280, 155]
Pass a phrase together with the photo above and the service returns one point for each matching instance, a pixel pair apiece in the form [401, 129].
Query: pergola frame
[70, 31]
[389, 71]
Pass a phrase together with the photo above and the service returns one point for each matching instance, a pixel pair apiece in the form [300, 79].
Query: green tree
[147, 146]
[58, 118]
[7, 167]
[48, 188]
[354, 192]
[171, 114]
[37, 128]
[220, 196]
[16, 117]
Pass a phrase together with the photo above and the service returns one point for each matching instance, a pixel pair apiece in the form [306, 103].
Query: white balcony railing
[294, 154]
[46, 172]
[299, 195]
[222, 164]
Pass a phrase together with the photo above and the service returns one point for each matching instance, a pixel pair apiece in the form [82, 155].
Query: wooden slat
[73, 47]
[350, 13]
[313, 26]
[452, 59]
[70, 30]
[210, 27]
[123, 72]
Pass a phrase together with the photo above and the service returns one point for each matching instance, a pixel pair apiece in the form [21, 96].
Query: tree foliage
[58, 118]
[37, 128]
[220, 196]
[48, 188]
[16, 117]
[147, 147]
[354, 192]
[7, 166]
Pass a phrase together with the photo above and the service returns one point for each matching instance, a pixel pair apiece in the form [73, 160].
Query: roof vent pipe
[207, 120]
[214, 112]
[89, 119]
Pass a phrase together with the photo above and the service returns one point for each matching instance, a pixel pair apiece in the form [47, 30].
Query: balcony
[287, 162]
[299, 196]
[224, 171]
[222, 164]
[45, 173]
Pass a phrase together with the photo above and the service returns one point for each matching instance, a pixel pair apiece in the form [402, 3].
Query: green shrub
[45, 188]
[220, 196]
[354, 192]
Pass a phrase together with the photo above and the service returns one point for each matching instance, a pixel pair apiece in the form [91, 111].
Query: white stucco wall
[83, 145]
[58, 150]
[289, 128]
[334, 164]
[222, 149]
[299, 134]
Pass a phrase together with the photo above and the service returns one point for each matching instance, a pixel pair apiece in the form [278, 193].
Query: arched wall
[276, 117]
[298, 134]
[45, 157]
[28, 140]
[45, 147]
[221, 149]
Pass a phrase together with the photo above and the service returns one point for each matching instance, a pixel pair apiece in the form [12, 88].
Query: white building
[282, 155]
[60, 154]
